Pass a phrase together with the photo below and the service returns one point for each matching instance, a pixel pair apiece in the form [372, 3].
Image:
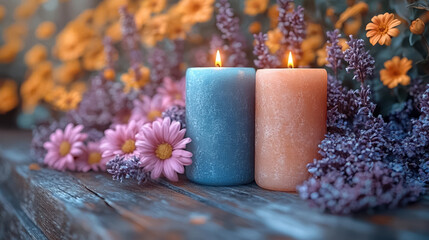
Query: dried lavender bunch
[176, 113]
[158, 61]
[292, 26]
[100, 104]
[334, 51]
[229, 26]
[359, 60]
[110, 52]
[41, 135]
[177, 60]
[260, 50]
[130, 39]
[122, 168]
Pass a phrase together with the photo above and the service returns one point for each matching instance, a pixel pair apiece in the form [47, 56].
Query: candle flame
[290, 61]
[218, 62]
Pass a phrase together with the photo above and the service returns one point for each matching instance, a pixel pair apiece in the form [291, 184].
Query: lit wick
[218, 62]
[290, 61]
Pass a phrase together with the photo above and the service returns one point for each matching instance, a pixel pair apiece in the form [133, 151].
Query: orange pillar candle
[290, 120]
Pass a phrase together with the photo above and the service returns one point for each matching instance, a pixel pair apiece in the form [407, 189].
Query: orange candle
[290, 120]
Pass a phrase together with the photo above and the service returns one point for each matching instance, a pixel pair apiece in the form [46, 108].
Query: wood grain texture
[62, 205]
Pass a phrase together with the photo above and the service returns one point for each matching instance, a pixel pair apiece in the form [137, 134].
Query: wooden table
[40, 204]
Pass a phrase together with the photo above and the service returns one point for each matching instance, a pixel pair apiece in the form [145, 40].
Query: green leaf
[413, 39]
[420, 4]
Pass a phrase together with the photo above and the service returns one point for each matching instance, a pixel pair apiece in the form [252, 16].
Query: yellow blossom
[273, 14]
[17, 30]
[155, 29]
[395, 72]
[8, 96]
[255, 27]
[36, 55]
[37, 85]
[176, 29]
[2, 12]
[25, 10]
[417, 27]
[67, 72]
[73, 40]
[195, 11]
[114, 32]
[141, 17]
[9, 51]
[45, 30]
[154, 6]
[54, 94]
[274, 40]
[353, 26]
[382, 28]
[357, 9]
[79, 87]
[68, 101]
[254, 7]
[130, 81]
[93, 58]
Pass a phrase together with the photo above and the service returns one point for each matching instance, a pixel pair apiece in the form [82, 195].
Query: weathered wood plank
[287, 213]
[14, 222]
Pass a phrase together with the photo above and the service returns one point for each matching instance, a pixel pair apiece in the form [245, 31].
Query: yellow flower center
[129, 146]
[154, 114]
[164, 151]
[94, 157]
[383, 28]
[64, 148]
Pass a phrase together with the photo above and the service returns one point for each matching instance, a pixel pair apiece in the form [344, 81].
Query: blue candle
[220, 120]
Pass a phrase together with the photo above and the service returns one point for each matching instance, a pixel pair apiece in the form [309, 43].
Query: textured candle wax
[220, 113]
[291, 107]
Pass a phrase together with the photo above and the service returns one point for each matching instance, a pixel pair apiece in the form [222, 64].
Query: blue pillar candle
[220, 120]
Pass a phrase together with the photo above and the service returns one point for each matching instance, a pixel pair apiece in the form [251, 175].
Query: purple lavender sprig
[260, 50]
[229, 26]
[334, 51]
[359, 60]
[122, 168]
[292, 26]
[176, 62]
[130, 40]
[176, 113]
[158, 61]
[110, 52]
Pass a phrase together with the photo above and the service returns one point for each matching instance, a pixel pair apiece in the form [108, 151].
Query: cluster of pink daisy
[67, 150]
[159, 147]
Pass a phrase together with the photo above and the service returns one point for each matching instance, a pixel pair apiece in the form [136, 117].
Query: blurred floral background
[50, 48]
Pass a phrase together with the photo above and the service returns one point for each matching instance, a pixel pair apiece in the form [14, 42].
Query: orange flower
[86, 16]
[15, 31]
[417, 27]
[322, 54]
[254, 7]
[68, 72]
[395, 72]
[130, 81]
[94, 59]
[358, 9]
[45, 30]
[2, 12]
[73, 40]
[274, 40]
[142, 16]
[353, 26]
[54, 94]
[176, 29]
[8, 96]
[26, 10]
[255, 27]
[109, 74]
[35, 55]
[195, 11]
[382, 28]
[36, 86]
[154, 6]
[79, 87]
[273, 14]
[155, 29]
[68, 101]
[114, 32]
[9, 51]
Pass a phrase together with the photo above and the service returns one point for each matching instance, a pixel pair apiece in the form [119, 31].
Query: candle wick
[217, 65]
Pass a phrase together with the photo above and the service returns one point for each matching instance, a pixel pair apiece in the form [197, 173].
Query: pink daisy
[120, 141]
[64, 147]
[161, 146]
[173, 92]
[91, 159]
[149, 109]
